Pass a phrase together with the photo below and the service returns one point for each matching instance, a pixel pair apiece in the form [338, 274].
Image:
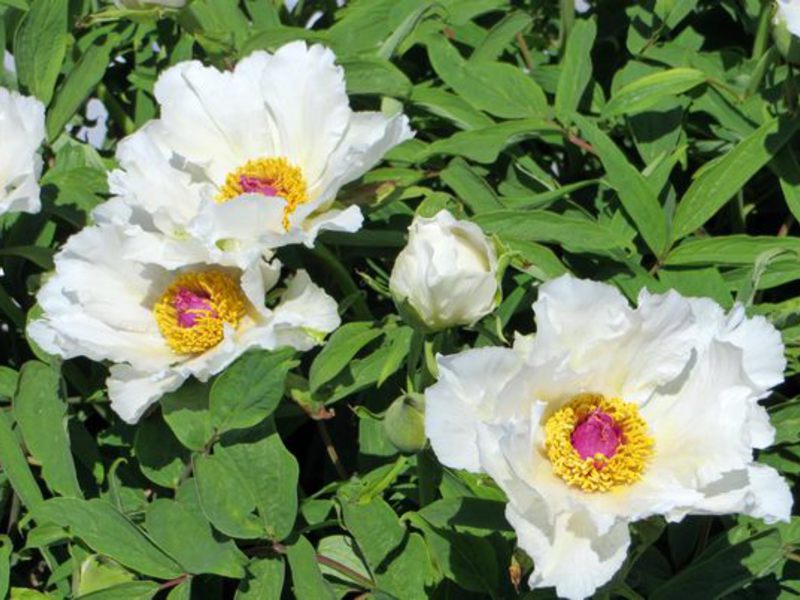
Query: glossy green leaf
[42, 416]
[40, 45]
[250, 389]
[647, 91]
[107, 531]
[717, 184]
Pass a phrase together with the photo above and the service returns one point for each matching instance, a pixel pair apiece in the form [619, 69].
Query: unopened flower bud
[404, 423]
[446, 275]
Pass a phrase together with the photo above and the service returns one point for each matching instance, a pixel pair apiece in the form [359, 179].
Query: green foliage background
[650, 144]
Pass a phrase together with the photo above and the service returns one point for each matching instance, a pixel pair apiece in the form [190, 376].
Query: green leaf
[8, 382]
[635, 194]
[375, 527]
[469, 561]
[16, 467]
[785, 418]
[6, 547]
[136, 590]
[576, 67]
[41, 257]
[104, 529]
[186, 412]
[162, 459]
[727, 565]
[372, 75]
[340, 349]
[649, 90]
[307, 580]
[376, 367]
[264, 580]
[729, 250]
[99, 573]
[787, 168]
[182, 591]
[485, 144]
[250, 389]
[449, 106]
[188, 537]
[718, 183]
[497, 88]
[470, 187]
[272, 494]
[80, 82]
[40, 46]
[477, 516]
[500, 36]
[42, 417]
[576, 233]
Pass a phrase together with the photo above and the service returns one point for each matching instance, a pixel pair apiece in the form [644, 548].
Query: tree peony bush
[399, 300]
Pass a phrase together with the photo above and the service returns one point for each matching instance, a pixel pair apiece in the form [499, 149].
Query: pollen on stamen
[270, 177]
[597, 444]
[194, 309]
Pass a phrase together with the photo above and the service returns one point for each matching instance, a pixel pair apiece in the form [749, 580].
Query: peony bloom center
[192, 312]
[597, 444]
[271, 177]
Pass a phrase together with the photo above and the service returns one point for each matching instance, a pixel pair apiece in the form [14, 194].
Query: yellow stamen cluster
[223, 302]
[284, 178]
[598, 473]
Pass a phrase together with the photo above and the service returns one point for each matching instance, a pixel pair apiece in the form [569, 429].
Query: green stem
[426, 478]
[762, 33]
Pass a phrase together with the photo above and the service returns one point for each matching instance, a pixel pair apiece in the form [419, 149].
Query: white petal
[22, 130]
[150, 179]
[702, 431]
[213, 118]
[133, 392]
[348, 220]
[758, 491]
[243, 228]
[760, 342]
[579, 317]
[369, 136]
[622, 352]
[305, 313]
[468, 387]
[304, 92]
[94, 304]
[569, 554]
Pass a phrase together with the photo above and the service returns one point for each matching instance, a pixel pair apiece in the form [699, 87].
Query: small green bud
[404, 423]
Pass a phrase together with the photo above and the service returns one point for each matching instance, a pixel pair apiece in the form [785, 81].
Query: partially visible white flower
[250, 159]
[582, 6]
[140, 4]
[95, 134]
[788, 15]
[447, 273]
[609, 415]
[159, 327]
[21, 133]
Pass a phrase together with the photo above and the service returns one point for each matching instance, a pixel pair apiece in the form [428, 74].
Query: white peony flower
[610, 415]
[249, 159]
[158, 327]
[788, 15]
[447, 273]
[21, 132]
[140, 4]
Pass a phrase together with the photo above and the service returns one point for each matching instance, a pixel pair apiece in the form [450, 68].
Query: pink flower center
[256, 185]
[192, 306]
[597, 433]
